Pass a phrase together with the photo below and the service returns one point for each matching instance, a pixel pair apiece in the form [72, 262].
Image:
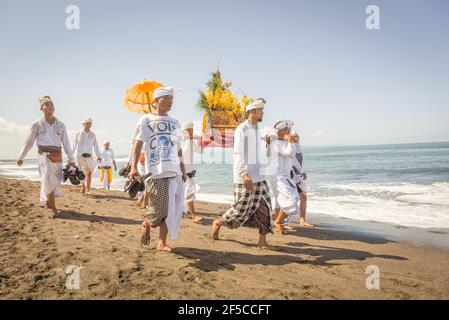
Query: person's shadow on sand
[110, 196]
[73, 215]
[212, 260]
[326, 232]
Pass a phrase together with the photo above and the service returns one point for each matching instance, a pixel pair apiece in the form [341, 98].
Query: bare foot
[196, 219]
[266, 246]
[145, 238]
[215, 229]
[83, 190]
[279, 228]
[305, 224]
[52, 214]
[288, 228]
[88, 193]
[162, 247]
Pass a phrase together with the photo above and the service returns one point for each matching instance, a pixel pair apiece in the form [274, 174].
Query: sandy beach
[100, 234]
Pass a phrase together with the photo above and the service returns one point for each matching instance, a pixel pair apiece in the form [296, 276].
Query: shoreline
[424, 236]
[100, 235]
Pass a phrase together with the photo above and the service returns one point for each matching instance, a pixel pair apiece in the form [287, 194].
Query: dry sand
[101, 233]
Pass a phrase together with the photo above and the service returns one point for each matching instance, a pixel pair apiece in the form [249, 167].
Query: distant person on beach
[282, 153]
[107, 160]
[49, 133]
[84, 144]
[252, 203]
[163, 155]
[300, 178]
[190, 145]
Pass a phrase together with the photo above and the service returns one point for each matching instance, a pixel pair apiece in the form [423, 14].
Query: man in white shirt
[163, 156]
[107, 160]
[190, 145]
[84, 144]
[252, 202]
[49, 134]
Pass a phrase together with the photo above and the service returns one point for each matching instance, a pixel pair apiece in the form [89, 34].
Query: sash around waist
[49, 149]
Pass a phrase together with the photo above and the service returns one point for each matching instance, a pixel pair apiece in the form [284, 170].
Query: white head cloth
[282, 124]
[163, 91]
[44, 100]
[187, 125]
[88, 120]
[257, 104]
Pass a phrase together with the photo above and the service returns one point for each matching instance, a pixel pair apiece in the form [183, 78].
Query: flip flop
[80, 175]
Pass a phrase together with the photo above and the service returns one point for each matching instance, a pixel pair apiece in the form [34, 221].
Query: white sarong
[175, 206]
[190, 190]
[302, 184]
[51, 177]
[286, 195]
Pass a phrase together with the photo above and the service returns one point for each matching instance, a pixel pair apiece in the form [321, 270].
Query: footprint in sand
[122, 233]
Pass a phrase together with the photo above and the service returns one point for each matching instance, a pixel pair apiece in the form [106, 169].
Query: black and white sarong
[250, 208]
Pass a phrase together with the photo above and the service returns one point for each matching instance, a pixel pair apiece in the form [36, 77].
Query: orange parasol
[139, 97]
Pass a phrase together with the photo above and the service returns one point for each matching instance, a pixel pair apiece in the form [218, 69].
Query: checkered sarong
[250, 208]
[157, 190]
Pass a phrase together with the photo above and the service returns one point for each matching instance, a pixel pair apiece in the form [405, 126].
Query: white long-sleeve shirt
[85, 142]
[45, 134]
[247, 153]
[283, 153]
[189, 147]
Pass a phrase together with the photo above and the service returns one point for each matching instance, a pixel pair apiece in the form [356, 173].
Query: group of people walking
[163, 150]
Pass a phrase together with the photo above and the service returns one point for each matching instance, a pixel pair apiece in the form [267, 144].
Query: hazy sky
[315, 62]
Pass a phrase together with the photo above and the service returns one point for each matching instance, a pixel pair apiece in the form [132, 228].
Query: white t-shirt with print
[162, 137]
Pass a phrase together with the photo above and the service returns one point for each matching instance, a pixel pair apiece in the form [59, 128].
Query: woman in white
[282, 153]
[49, 134]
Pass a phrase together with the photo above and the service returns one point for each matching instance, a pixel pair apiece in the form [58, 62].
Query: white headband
[44, 100]
[282, 124]
[257, 104]
[163, 91]
[187, 125]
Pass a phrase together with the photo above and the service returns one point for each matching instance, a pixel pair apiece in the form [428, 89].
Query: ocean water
[405, 184]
